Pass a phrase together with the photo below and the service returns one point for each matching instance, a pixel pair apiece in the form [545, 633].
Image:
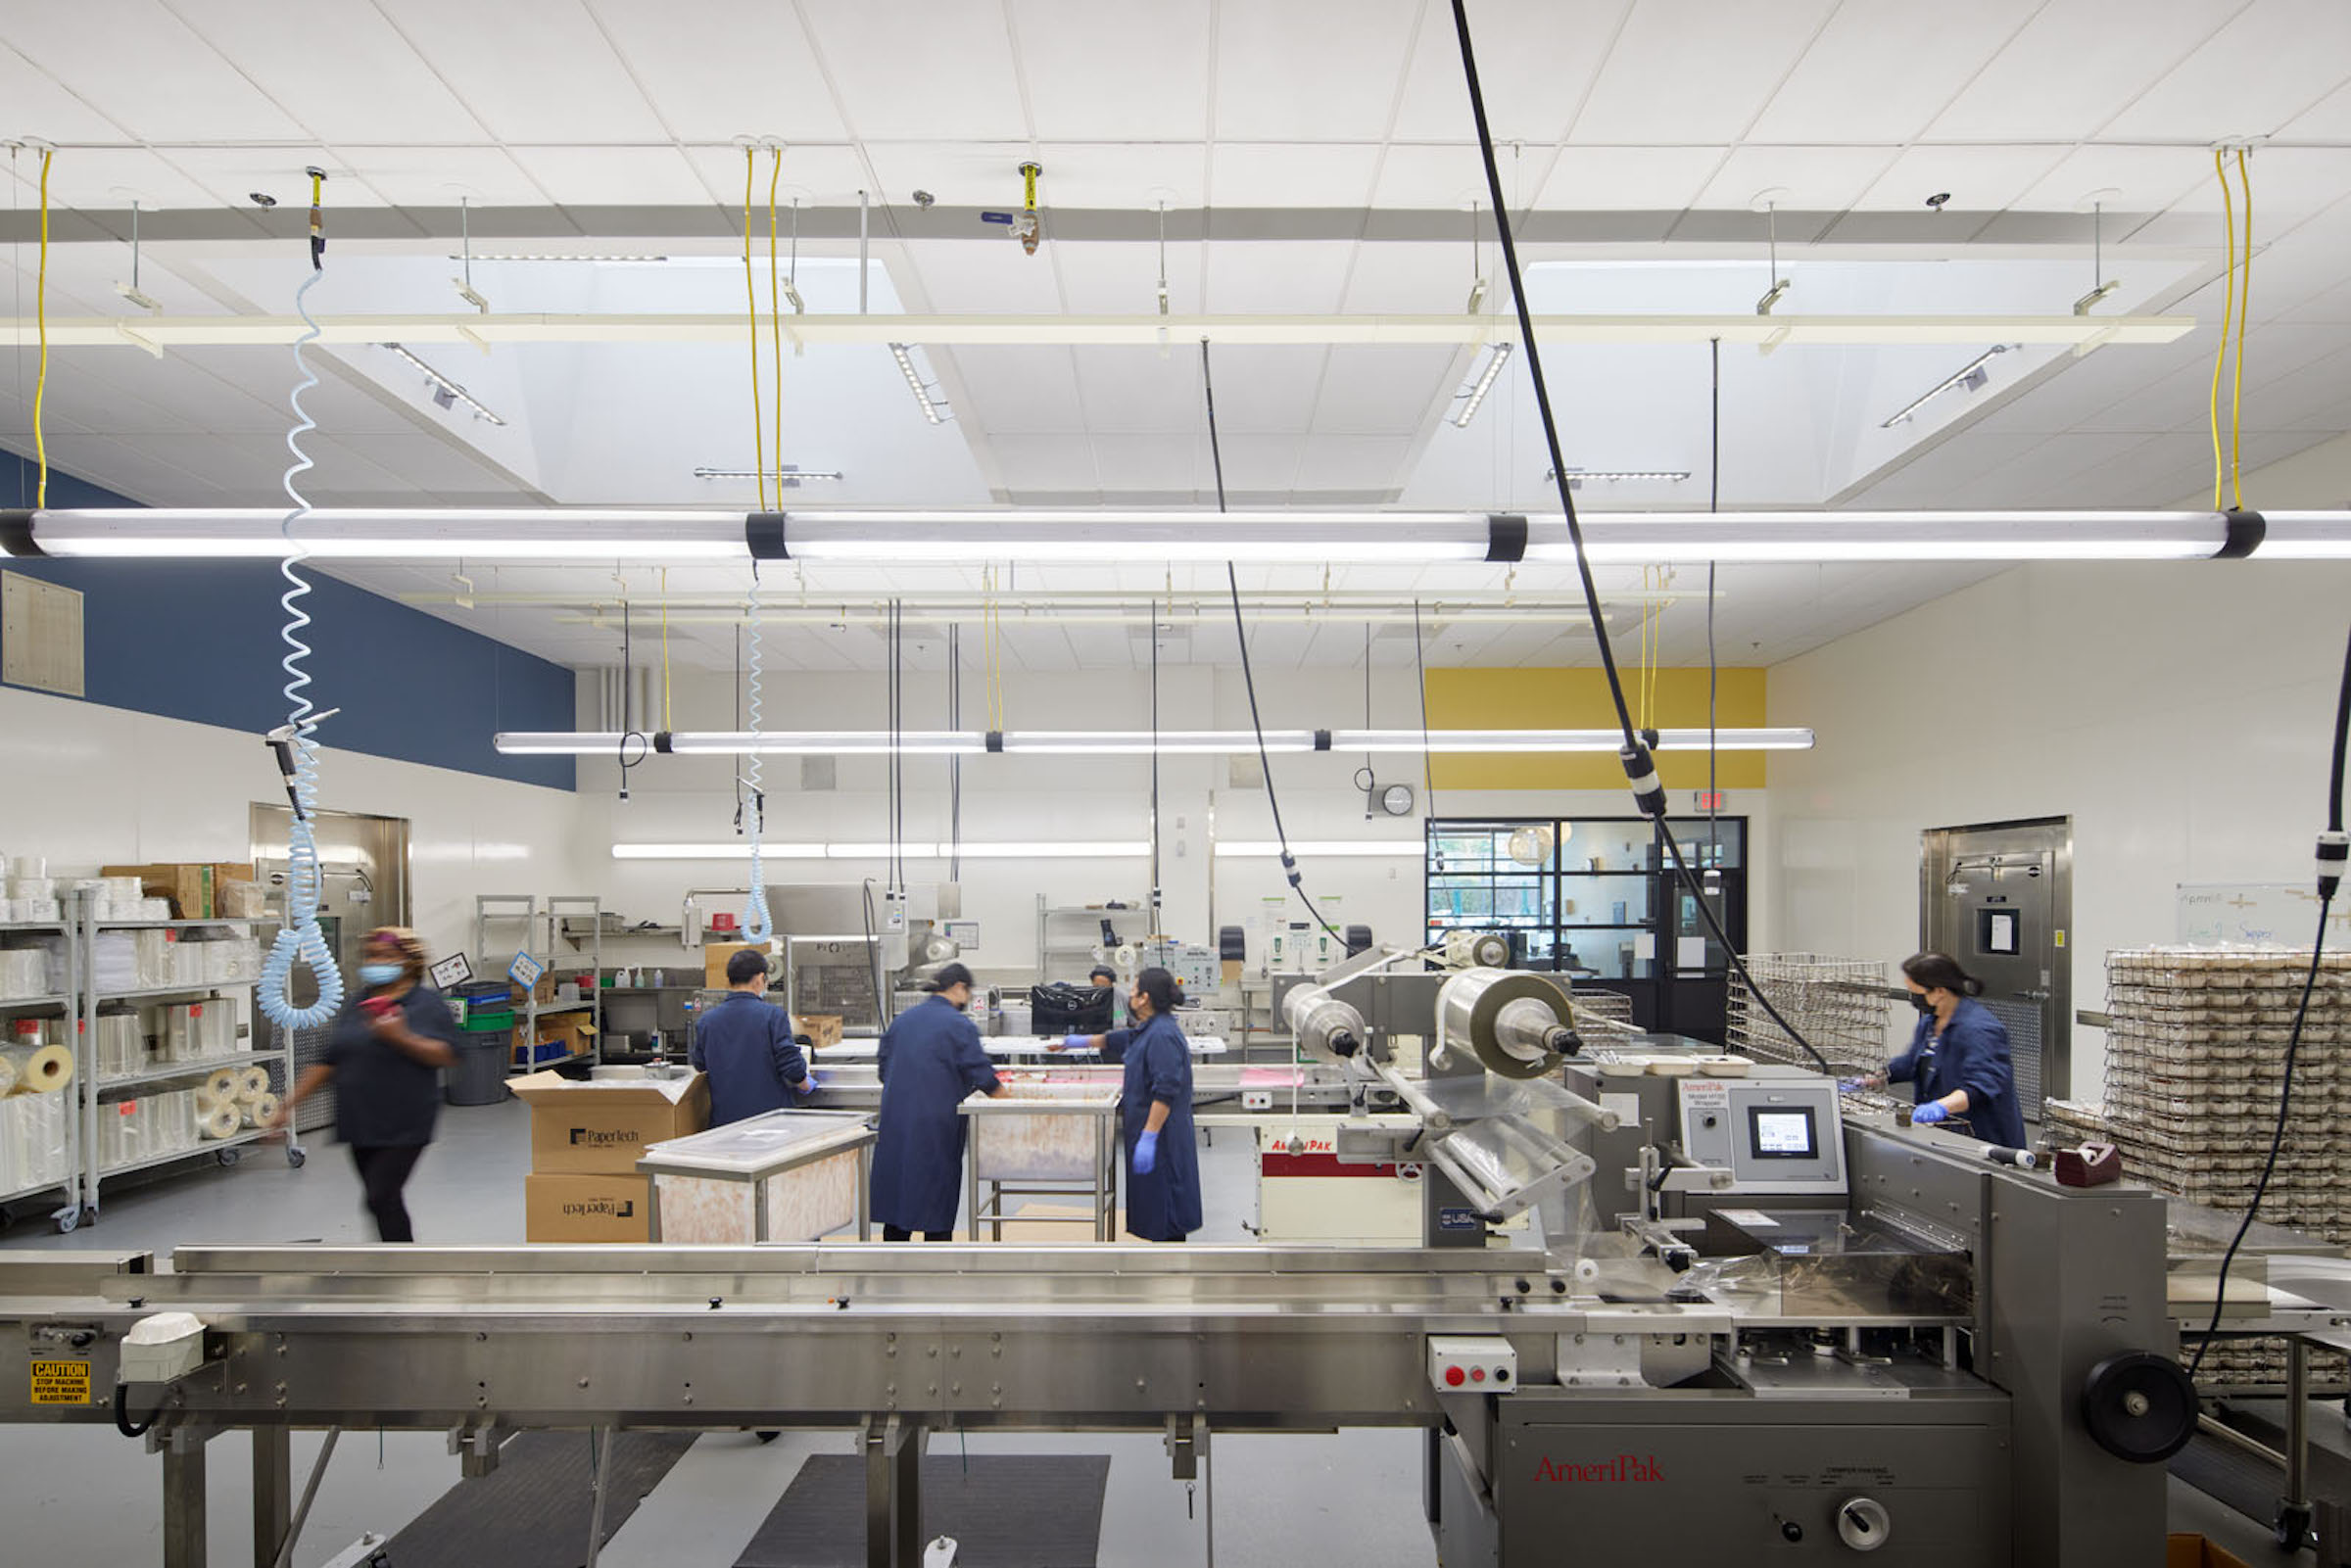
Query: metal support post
[272, 1492]
[183, 1498]
[2294, 1510]
[894, 1491]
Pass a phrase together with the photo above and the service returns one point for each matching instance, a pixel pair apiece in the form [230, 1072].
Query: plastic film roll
[1518, 1025]
[1325, 1028]
[206, 1099]
[221, 1122]
[223, 1083]
[8, 1080]
[38, 1069]
[260, 1111]
[253, 1083]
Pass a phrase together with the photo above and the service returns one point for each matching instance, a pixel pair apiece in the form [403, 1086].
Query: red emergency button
[1478, 1374]
[1454, 1377]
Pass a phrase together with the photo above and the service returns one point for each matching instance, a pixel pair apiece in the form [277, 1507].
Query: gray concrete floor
[85, 1495]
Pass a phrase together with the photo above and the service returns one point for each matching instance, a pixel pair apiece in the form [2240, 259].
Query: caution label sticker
[61, 1383]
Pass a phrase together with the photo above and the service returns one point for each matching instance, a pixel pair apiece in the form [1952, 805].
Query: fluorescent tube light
[1077, 849]
[1970, 375]
[1577, 476]
[932, 411]
[1477, 394]
[785, 474]
[1136, 743]
[445, 386]
[606, 260]
[1327, 850]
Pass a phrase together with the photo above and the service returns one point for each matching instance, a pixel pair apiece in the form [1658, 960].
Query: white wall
[2180, 713]
[87, 786]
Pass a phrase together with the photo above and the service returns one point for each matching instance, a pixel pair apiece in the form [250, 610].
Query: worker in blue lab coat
[929, 1062]
[1162, 1159]
[745, 1045]
[1958, 1058]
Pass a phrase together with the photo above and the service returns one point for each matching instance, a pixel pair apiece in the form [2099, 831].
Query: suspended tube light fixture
[1132, 742]
[1014, 536]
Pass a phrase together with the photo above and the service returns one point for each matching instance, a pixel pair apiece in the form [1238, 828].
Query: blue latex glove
[1077, 1042]
[1146, 1153]
[1930, 1113]
[815, 1081]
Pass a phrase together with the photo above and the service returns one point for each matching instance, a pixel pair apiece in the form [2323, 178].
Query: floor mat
[533, 1511]
[1009, 1512]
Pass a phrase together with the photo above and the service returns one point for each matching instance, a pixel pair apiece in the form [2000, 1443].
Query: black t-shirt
[384, 1096]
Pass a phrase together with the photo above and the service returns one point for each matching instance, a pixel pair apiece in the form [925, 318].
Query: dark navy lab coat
[1164, 1206]
[1972, 1055]
[930, 1061]
[745, 1045]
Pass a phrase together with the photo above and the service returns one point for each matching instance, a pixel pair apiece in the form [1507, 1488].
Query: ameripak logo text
[1623, 1469]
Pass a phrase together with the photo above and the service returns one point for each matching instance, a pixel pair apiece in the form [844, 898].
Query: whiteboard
[2271, 913]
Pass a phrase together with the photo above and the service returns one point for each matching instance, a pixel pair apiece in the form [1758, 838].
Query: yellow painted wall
[1578, 699]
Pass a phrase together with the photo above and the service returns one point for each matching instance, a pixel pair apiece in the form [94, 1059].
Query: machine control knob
[1862, 1524]
[1707, 1120]
[1454, 1377]
[1478, 1374]
[1790, 1530]
[2139, 1406]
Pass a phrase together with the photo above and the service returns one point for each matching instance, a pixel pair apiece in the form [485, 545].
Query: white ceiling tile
[2072, 67]
[2147, 179]
[1431, 176]
[1668, 81]
[532, 70]
[141, 67]
[760, 80]
[2275, 57]
[985, 277]
[1382, 391]
[1261, 463]
[1134, 390]
[932, 70]
[1255, 174]
[1979, 179]
[439, 176]
[1398, 278]
[2289, 183]
[820, 175]
[616, 176]
[1354, 463]
[1157, 463]
[232, 173]
[39, 105]
[131, 469]
[1062, 461]
[105, 178]
[429, 460]
[2329, 120]
[1071, 52]
[1118, 278]
[1814, 178]
[1536, 59]
[1879, 72]
[1026, 390]
[1261, 388]
[1246, 279]
[1355, 49]
[346, 73]
[185, 381]
[1628, 179]
[1130, 176]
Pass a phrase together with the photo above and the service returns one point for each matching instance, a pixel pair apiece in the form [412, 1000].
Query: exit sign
[1707, 799]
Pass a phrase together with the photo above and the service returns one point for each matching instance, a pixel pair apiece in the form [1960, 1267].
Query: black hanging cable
[1640, 768]
[2333, 847]
[1240, 631]
[1428, 772]
[628, 714]
[955, 758]
[1713, 666]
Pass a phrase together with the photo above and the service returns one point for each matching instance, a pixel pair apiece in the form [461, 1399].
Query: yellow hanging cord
[2244, 307]
[750, 294]
[2220, 468]
[775, 315]
[40, 312]
[665, 724]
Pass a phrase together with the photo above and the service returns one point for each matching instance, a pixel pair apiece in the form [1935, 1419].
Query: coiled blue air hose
[755, 924]
[300, 937]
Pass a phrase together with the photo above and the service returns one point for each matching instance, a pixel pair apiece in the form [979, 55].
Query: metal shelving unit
[68, 1214]
[1055, 941]
[551, 918]
[93, 1088]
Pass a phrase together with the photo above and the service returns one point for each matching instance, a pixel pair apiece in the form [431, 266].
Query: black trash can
[479, 1076]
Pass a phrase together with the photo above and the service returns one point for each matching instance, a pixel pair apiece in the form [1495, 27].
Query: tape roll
[258, 1113]
[221, 1122]
[38, 1069]
[1126, 955]
[223, 1085]
[253, 1083]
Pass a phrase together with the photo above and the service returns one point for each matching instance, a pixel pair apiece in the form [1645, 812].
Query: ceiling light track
[1133, 742]
[445, 391]
[1969, 378]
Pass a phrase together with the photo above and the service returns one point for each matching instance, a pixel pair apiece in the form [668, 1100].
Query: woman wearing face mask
[1162, 1159]
[1958, 1056]
[386, 1052]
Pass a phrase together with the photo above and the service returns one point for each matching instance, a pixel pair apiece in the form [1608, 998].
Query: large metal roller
[1325, 1028]
[1518, 1025]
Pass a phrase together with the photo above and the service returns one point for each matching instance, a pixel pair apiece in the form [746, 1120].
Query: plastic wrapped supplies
[34, 1147]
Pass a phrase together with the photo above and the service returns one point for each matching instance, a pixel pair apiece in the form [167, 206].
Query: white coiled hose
[300, 937]
[755, 922]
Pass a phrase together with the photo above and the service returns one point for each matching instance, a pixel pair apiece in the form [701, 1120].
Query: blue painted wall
[199, 641]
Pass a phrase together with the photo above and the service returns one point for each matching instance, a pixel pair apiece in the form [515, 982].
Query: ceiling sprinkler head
[260, 199]
[1937, 200]
[924, 199]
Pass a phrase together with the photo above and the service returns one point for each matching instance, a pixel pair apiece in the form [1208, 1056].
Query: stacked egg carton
[2196, 1058]
[1837, 1004]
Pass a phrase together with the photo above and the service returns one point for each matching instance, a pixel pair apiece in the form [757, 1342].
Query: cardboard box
[714, 962]
[239, 899]
[188, 887]
[603, 1128]
[611, 1209]
[545, 991]
[823, 1029]
[566, 1034]
[2194, 1552]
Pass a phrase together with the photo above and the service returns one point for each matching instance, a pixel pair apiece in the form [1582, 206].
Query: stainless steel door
[1999, 899]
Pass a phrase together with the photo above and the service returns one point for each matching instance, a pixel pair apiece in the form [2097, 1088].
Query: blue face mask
[380, 974]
